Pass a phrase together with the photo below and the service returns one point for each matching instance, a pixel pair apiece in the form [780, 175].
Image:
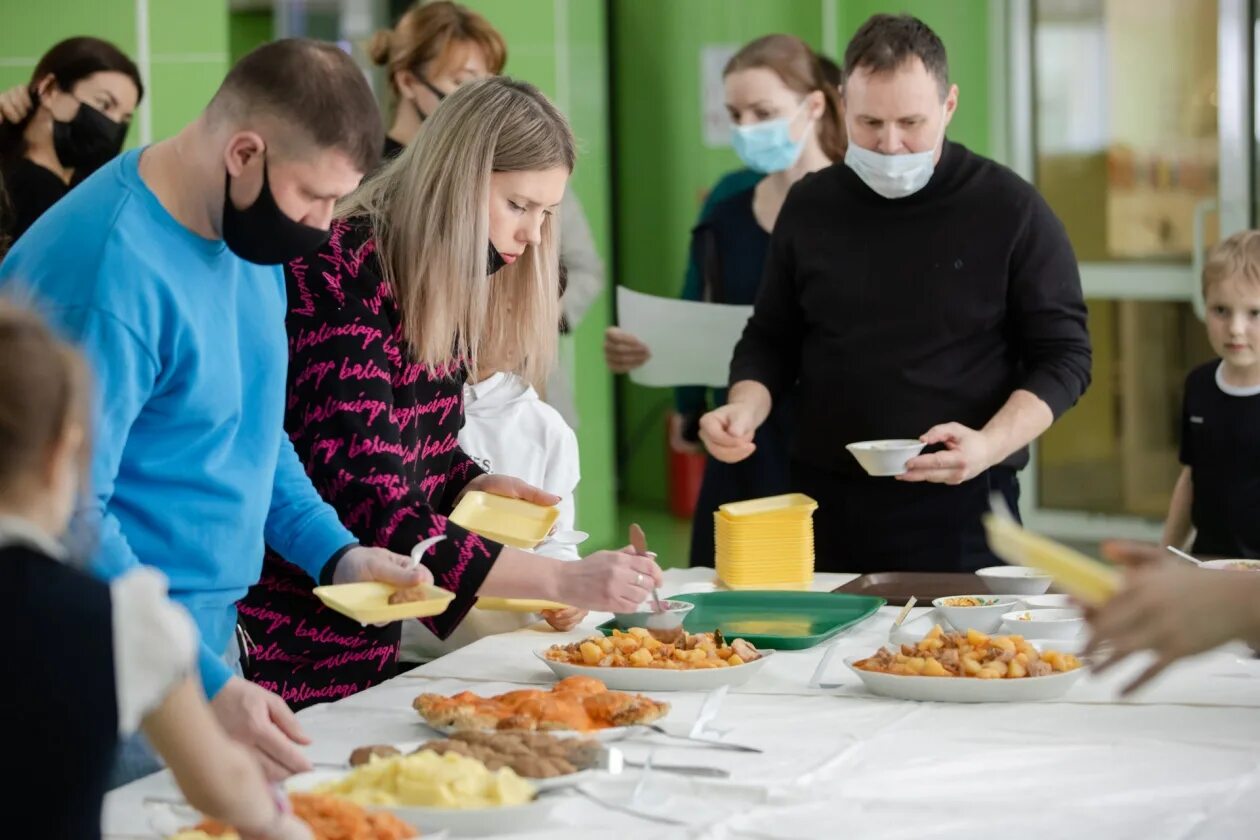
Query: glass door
[1132, 117]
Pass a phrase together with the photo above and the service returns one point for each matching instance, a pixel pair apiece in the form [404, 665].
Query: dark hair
[831, 71]
[68, 62]
[426, 32]
[44, 389]
[792, 60]
[886, 42]
[311, 86]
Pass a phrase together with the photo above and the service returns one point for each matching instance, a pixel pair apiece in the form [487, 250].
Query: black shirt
[32, 189]
[897, 315]
[59, 696]
[1220, 443]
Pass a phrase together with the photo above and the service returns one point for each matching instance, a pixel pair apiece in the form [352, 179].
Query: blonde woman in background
[432, 50]
[443, 258]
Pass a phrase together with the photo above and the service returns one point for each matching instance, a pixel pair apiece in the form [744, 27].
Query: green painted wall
[248, 29]
[188, 45]
[561, 47]
[663, 168]
[187, 48]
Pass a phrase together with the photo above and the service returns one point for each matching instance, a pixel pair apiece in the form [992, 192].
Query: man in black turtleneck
[916, 290]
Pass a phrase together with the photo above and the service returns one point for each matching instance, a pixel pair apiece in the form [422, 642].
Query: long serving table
[1180, 760]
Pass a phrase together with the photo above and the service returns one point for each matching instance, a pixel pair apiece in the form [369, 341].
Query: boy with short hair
[1217, 495]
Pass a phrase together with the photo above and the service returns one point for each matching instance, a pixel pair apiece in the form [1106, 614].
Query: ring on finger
[638, 581]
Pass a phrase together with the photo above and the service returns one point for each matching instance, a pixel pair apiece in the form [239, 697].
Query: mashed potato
[430, 780]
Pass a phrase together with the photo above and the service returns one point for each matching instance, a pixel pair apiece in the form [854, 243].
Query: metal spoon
[665, 627]
[1184, 556]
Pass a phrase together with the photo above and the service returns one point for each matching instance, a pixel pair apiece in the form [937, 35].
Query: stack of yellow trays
[766, 543]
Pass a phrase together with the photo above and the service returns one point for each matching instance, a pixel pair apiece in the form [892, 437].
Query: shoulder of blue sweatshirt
[187, 341]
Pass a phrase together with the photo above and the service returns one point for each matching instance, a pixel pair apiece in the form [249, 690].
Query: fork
[708, 742]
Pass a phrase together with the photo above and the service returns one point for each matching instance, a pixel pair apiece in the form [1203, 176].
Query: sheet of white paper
[691, 342]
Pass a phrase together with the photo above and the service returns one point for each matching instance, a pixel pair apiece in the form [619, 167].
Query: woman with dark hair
[82, 95]
[785, 110]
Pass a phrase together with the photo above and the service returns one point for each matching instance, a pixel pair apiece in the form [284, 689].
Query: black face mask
[494, 261]
[440, 96]
[88, 141]
[262, 233]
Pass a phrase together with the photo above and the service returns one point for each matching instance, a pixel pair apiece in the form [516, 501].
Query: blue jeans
[135, 758]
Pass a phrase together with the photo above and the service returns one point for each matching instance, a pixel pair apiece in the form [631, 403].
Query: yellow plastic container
[509, 521]
[765, 543]
[1081, 576]
[791, 505]
[518, 605]
[368, 603]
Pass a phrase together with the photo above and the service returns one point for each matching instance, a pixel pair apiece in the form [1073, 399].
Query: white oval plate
[966, 689]
[660, 679]
[460, 822]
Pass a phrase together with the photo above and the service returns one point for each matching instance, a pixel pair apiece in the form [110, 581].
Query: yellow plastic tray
[772, 507]
[518, 605]
[368, 603]
[1079, 575]
[509, 521]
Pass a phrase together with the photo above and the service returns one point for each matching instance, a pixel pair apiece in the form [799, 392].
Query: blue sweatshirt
[191, 467]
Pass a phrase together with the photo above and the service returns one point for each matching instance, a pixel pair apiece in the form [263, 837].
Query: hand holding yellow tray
[1083, 577]
[368, 603]
[513, 522]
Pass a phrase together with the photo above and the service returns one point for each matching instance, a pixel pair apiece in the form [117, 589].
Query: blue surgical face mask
[768, 146]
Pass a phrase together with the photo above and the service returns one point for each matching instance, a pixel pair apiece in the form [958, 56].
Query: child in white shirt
[509, 430]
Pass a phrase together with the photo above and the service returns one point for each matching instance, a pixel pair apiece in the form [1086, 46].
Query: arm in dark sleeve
[351, 442]
[689, 400]
[770, 350]
[462, 471]
[1048, 308]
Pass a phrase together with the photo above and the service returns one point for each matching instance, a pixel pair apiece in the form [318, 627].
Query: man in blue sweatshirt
[165, 266]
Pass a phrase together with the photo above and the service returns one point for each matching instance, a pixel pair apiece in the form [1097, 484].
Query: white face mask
[893, 176]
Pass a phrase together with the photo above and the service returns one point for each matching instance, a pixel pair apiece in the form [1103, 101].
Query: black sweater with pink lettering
[378, 435]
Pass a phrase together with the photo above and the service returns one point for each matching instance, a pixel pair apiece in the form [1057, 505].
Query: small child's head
[43, 421]
[1231, 290]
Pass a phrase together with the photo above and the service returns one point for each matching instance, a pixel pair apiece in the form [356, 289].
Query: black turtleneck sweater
[891, 316]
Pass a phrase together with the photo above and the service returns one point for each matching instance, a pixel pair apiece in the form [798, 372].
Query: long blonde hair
[429, 211]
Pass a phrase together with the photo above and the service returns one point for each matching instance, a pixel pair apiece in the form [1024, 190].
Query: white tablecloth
[1181, 760]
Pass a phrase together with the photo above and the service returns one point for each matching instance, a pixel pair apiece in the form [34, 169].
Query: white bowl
[1233, 565]
[1015, 580]
[885, 457]
[1049, 602]
[986, 618]
[1044, 624]
[639, 618]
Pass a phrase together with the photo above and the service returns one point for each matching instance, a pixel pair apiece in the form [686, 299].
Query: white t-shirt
[508, 430]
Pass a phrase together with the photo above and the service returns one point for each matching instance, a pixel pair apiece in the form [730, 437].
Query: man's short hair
[311, 86]
[885, 42]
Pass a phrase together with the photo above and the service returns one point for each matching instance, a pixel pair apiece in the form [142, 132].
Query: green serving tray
[773, 618]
